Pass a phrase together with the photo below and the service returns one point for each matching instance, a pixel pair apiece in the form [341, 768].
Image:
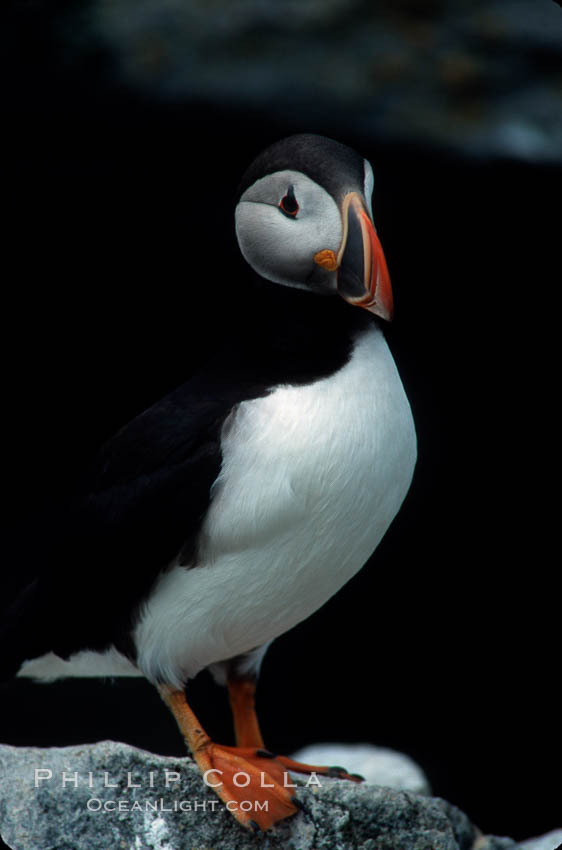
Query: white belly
[311, 479]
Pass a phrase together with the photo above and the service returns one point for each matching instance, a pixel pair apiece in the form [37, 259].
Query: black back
[141, 503]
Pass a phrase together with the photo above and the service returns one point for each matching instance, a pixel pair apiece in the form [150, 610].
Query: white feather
[85, 663]
[312, 477]
[369, 185]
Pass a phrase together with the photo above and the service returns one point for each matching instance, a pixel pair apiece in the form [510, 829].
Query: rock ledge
[111, 795]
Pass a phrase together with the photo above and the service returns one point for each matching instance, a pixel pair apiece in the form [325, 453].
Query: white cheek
[282, 249]
[265, 240]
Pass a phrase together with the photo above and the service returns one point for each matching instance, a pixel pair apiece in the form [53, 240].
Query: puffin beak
[362, 274]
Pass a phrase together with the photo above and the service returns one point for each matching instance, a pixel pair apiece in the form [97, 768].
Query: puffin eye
[288, 204]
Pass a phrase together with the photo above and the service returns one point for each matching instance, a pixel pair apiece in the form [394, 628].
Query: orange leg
[250, 785]
[242, 693]
[254, 783]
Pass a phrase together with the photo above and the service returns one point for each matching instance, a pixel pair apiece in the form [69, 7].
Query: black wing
[139, 507]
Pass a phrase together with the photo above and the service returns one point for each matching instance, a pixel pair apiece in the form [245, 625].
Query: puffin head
[304, 219]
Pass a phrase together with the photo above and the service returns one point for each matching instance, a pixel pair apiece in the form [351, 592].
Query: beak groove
[363, 278]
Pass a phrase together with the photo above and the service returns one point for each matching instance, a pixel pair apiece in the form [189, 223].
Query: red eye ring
[289, 204]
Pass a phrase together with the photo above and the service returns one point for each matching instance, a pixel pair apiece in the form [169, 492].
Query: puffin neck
[309, 335]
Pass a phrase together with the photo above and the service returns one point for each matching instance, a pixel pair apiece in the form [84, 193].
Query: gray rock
[494, 842]
[379, 766]
[111, 796]
[550, 841]
[101, 796]
[475, 75]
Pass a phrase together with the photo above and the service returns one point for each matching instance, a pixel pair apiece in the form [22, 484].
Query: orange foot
[252, 786]
[333, 772]
[256, 785]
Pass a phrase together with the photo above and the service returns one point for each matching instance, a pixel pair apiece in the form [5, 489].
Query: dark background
[120, 270]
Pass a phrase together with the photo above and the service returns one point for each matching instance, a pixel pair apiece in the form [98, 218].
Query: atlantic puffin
[236, 506]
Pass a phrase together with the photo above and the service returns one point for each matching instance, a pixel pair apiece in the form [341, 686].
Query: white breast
[311, 479]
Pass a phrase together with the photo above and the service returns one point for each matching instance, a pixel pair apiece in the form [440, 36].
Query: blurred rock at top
[472, 75]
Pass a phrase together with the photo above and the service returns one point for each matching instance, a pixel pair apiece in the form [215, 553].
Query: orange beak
[363, 278]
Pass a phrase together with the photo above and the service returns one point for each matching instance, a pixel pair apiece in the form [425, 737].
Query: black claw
[255, 827]
[265, 754]
[358, 776]
[297, 803]
[336, 771]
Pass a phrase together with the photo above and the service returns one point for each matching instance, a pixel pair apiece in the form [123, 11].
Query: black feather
[141, 503]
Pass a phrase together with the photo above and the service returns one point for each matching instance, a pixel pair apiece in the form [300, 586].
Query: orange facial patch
[327, 259]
